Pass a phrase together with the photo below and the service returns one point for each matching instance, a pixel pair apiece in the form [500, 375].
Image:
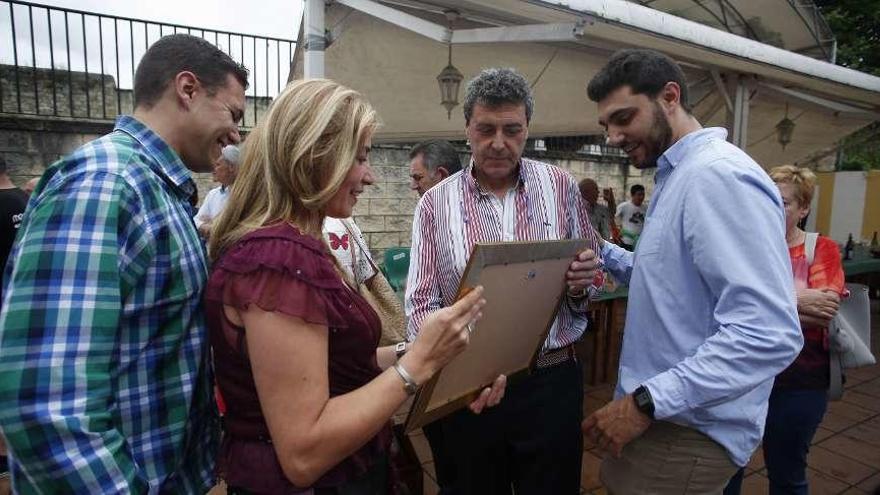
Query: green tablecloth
[850, 268]
[620, 292]
[860, 266]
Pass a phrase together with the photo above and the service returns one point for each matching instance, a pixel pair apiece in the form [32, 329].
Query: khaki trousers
[668, 459]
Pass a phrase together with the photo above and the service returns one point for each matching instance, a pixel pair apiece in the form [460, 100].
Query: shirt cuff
[577, 304]
[667, 392]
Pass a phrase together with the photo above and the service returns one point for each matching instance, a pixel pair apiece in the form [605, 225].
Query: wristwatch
[579, 294]
[409, 384]
[400, 349]
[644, 401]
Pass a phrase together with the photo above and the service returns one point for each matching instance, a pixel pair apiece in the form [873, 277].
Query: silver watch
[400, 349]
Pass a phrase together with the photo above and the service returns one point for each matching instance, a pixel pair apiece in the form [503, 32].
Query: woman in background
[799, 397]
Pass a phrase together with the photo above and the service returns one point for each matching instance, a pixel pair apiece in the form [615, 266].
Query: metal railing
[76, 64]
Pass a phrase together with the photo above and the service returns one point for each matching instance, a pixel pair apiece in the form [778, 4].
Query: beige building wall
[384, 212]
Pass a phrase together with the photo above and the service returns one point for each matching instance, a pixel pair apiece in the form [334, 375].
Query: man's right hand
[582, 271]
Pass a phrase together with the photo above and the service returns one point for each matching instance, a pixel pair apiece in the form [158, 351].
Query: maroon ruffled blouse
[280, 269]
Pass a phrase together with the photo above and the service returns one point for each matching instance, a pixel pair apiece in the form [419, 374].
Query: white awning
[393, 51]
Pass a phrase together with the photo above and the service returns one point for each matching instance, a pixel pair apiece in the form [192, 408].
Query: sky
[275, 18]
[268, 18]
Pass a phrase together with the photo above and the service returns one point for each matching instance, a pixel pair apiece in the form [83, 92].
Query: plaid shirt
[105, 383]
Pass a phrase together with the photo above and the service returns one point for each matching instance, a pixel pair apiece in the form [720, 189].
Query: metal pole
[101, 75]
[314, 41]
[244, 113]
[52, 64]
[15, 58]
[34, 60]
[69, 67]
[267, 67]
[254, 41]
[131, 46]
[118, 80]
[741, 114]
[86, 67]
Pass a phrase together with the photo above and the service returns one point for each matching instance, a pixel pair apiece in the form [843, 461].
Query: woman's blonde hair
[803, 179]
[295, 160]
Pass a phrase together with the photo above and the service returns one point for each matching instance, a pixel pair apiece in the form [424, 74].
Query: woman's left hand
[490, 396]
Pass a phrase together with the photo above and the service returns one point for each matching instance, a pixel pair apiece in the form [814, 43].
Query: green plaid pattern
[105, 379]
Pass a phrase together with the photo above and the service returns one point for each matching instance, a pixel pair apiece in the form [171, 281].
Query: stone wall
[60, 93]
[25, 91]
[384, 212]
[30, 145]
[36, 129]
[46, 114]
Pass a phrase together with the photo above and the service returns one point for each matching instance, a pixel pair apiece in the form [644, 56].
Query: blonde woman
[308, 402]
[799, 397]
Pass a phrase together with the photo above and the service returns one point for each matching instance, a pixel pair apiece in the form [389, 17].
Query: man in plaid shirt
[105, 383]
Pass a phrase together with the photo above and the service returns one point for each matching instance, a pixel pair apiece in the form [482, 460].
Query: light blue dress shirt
[712, 317]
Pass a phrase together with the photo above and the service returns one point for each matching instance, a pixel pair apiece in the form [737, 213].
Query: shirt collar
[167, 162]
[677, 152]
[474, 187]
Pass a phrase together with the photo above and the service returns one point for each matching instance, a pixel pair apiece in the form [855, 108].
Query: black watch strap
[644, 401]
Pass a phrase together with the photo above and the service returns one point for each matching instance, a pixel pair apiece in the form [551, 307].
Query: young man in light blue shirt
[712, 316]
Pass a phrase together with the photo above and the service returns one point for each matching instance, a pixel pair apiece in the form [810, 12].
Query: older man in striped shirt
[531, 442]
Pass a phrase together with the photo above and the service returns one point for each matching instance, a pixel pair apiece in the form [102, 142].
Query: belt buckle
[554, 357]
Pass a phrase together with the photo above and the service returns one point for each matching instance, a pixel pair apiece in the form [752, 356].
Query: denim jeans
[792, 419]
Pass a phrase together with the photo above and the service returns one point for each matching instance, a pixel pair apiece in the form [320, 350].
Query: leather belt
[556, 356]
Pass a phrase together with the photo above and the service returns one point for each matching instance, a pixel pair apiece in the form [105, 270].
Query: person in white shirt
[631, 217]
[349, 247]
[224, 172]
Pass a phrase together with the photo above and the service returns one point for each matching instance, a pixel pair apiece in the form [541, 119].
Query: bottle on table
[848, 248]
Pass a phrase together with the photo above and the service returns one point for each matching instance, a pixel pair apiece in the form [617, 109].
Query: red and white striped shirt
[456, 213]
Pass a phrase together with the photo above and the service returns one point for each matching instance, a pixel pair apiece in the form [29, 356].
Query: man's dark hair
[437, 153]
[645, 71]
[176, 53]
[636, 188]
[495, 87]
[2, 165]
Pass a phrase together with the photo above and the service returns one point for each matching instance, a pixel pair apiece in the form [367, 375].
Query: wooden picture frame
[524, 284]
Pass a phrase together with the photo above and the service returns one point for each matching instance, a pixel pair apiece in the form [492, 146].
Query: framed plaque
[524, 284]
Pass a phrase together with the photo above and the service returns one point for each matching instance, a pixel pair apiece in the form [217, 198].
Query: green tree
[856, 25]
